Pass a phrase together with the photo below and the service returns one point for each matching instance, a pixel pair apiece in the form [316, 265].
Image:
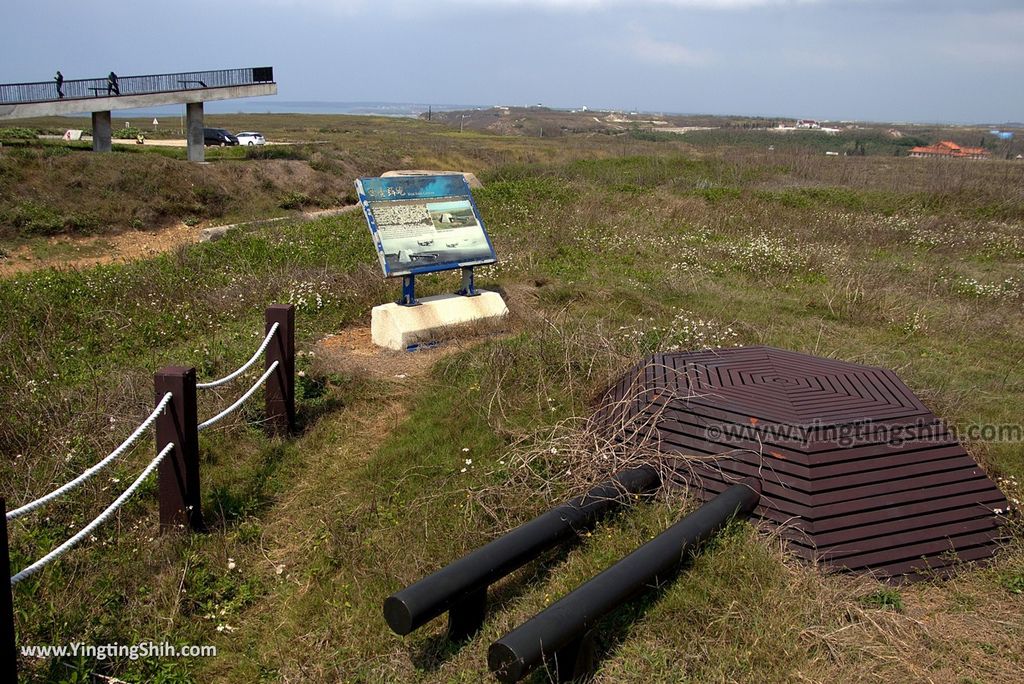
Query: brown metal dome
[856, 471]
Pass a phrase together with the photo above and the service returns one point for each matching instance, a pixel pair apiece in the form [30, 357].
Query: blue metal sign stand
[409, 291]
[468, 289]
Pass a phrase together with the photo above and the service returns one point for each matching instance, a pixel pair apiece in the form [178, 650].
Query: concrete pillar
[194, 131]
[101, 130]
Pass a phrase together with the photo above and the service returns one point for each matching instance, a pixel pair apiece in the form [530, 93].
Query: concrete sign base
[399, 327]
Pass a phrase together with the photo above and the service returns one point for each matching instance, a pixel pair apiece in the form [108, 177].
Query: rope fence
[245, 366]
[64, 489]
[241, 400]
[97, 521]
[177, 454]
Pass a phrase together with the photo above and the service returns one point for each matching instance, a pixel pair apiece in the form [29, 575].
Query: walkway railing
[77, 89]
[177, 457]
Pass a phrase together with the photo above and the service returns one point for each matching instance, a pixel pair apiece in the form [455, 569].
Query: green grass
[889, 599]
[604, 257]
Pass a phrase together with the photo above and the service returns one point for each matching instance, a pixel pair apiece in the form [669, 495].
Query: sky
[870, 60]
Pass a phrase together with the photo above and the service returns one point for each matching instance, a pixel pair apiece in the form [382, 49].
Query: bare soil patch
[352, 351]
[95, 250]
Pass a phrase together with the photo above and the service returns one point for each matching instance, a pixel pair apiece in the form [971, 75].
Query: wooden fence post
[280, 409]
[9, 657]
[179, 471]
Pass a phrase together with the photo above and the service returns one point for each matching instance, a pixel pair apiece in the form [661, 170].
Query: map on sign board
[422, 224]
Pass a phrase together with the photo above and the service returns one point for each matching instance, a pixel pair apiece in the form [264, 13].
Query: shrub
[214, 200]
[764, 255]
[295, 200]
[277, 152]
[1013, 583]
[15, 133]
[129, 133]
[713, 195]
[1009, 288]
[30, 218]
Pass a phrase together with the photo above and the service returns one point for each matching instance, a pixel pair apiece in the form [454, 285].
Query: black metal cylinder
[520, 651]
[421, 602]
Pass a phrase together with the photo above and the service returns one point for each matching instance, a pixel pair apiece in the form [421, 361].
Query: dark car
[218, 136]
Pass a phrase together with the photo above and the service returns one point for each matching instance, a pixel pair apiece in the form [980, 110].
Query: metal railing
[563, 632]
[79, 89]
[461, 587]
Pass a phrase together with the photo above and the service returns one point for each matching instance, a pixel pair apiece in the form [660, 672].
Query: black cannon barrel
[520, 651]
[421, 602]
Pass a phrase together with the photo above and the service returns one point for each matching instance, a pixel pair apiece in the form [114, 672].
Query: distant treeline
[855, 142]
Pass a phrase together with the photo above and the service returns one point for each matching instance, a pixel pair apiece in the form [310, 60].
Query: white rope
[245, 366]
[241, 400]
[63, 548]
[60, 491]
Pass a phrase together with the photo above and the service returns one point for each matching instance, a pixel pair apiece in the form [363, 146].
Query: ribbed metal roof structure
[856, 471]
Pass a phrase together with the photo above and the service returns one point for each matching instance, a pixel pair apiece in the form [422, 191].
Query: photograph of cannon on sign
[452, 215]
[426, 233]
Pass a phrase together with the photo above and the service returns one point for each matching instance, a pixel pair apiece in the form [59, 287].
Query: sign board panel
[422, 224]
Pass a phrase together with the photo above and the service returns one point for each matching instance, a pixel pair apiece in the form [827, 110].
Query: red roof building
[947, 148]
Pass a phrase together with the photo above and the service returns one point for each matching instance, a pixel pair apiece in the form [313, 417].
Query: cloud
[666, 53]
[977, 38]
[358, 6]
[344, 8]
[642, 46]
[598, 4]
[822, 59]
[983, 52]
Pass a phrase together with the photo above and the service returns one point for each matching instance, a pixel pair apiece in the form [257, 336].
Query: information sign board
[422, 224]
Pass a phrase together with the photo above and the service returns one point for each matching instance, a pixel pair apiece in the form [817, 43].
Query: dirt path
[180, 142]
[169, 142]
[65, 251]
[352, 351]
[82, 252]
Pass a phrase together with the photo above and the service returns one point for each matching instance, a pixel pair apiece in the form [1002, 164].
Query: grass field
[610, 248]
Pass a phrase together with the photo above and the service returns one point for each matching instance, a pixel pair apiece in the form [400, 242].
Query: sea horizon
[260, 106]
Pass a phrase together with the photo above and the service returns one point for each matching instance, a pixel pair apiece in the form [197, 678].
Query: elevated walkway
[99, 97]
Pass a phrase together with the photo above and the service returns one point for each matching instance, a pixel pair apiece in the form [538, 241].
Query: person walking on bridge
[59, 78]
[112, 86]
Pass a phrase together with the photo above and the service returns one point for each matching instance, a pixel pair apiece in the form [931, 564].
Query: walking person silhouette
[112, 86]
[59, 78]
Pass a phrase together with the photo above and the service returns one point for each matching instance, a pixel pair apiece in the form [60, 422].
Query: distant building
[947, 148]
[807, 123]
